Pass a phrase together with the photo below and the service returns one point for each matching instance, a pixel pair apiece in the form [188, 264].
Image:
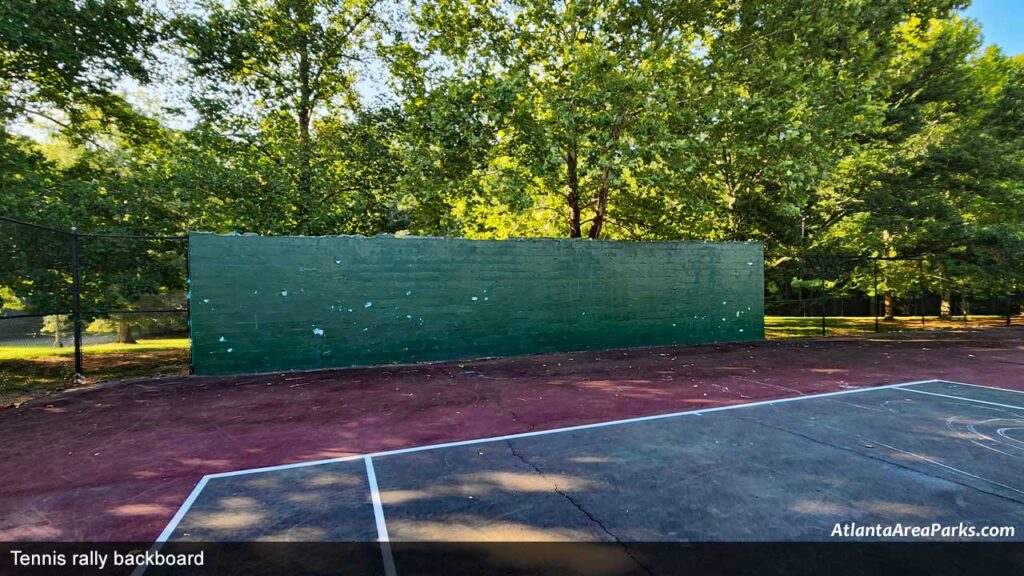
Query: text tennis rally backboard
[262, 304]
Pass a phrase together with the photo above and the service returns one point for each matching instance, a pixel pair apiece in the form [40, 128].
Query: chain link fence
[79, 307]
[828, 295]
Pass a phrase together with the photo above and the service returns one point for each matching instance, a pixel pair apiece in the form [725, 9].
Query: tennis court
[913, 453]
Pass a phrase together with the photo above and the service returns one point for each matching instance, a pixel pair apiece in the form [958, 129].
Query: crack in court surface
[896, 464]
[833, 441]
[578, 506]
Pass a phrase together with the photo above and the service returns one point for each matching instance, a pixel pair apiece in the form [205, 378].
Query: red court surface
[113, 463]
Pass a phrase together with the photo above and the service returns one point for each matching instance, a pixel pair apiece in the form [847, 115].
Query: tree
[266, 70]
[939, 180]
[680, 119]
[60, 60]
[548, 107]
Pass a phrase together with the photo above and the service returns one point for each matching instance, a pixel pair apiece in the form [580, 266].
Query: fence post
[824, 299]
[76, 294]
[874, 261]
[920, 281]
[1008, 303]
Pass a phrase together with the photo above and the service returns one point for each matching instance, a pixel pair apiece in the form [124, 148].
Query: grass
[776, 327]
[30, 371]
[27, 352]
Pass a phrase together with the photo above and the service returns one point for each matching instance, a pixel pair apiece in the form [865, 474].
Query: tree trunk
[573, 197]
[602, 206]
[890, 306]
[57, 341]
[946, 304]
[124, 332]
[305, 113]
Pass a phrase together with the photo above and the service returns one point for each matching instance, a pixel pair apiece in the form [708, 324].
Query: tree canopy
[846, 127]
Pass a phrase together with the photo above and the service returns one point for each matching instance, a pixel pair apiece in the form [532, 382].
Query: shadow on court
[114, 463]
[641, 497]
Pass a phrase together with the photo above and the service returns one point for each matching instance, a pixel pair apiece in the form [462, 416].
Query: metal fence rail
[76, 292]
[883, 289]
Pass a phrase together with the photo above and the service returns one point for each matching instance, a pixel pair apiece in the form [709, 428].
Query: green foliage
[274, 90]
[66, 57]
[851, 127]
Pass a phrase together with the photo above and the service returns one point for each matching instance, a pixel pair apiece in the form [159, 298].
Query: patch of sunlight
[819, 507]
[142, 510]
[296, 534]
[474, 529]
[520, 482]
[403, 496]
[211, 462]
[889, 507]
[332, 479]
[28, 533]
[235, 512]
[304, 497]
[591, 459]
[228, 520]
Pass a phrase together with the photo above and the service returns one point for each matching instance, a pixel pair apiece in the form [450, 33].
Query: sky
[1002, 23]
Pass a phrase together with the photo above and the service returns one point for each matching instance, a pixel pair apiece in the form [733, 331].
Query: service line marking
[173, 524]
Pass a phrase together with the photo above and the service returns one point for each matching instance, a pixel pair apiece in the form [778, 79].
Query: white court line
[202, 483]
[915, 391]
[378, 516]
[182, 510]
[191, 499]
[173, 524]
[378, 509]
[557, 430]
[976, 386]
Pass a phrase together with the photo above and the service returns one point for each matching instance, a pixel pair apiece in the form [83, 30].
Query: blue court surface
[914, 454]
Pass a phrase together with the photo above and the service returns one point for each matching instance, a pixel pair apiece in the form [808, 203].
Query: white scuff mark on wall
[231, 349]
[368, 304]
[475, 298]
[284, 292]
[221, 339]
[206, 300]
[318, 331]
[408, 292]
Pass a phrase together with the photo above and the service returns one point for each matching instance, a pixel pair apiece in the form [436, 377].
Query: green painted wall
[262, 304]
